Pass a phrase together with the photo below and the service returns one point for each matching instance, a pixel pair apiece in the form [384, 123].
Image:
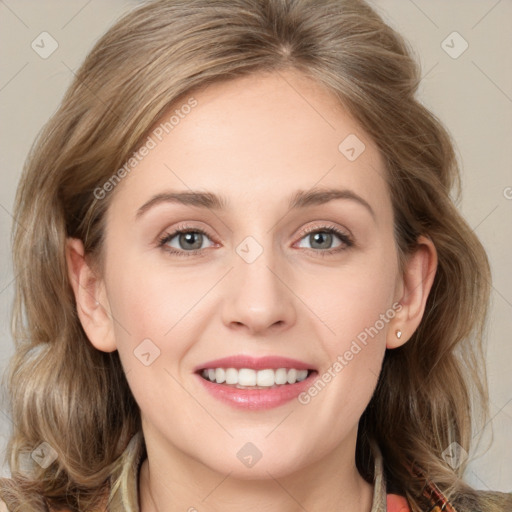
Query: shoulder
[3, 506]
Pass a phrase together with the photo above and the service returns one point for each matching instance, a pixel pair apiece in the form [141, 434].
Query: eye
[189, 241]
[322, 237]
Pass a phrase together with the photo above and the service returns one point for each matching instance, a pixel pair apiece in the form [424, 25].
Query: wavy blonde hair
[66, 393]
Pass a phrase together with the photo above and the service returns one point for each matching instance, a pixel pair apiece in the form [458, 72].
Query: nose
[258, 298]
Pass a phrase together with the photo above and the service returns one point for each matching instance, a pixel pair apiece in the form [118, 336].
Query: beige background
[472, 94]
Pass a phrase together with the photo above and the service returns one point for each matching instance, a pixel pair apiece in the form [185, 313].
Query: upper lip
[257, 363]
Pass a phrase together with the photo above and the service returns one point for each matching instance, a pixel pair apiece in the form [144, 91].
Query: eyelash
[182, 229]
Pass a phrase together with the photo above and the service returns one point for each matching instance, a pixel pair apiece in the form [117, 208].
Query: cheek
[353, 300]
[149, 302]
[356, 305]
[147, 307]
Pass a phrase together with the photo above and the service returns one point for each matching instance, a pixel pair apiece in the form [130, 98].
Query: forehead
[257, 138]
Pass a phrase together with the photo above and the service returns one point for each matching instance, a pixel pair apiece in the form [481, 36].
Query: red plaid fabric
[437, 501]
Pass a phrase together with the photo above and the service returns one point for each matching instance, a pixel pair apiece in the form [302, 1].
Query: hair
[65, 392]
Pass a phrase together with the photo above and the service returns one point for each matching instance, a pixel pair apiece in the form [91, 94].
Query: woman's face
[265, 279]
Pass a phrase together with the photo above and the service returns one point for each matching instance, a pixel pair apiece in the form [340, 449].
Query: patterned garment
[438, 501]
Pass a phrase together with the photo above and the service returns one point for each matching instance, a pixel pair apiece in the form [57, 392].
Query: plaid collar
[438, 501]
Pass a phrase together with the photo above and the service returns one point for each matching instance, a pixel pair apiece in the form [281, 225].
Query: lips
[256, 398]
[256, 363]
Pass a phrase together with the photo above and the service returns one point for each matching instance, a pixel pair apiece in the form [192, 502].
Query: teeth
[281, 376]
[265, 378]
[247, 377]
[220, 375]
[231, 376]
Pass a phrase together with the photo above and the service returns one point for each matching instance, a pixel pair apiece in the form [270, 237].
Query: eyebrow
[300, 199]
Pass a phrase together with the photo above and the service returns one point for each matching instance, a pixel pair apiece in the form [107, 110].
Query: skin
[254, 140]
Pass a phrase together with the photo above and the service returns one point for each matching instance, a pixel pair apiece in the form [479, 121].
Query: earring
[398, 334]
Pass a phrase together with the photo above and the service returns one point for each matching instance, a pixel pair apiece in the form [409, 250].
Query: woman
[250, 368]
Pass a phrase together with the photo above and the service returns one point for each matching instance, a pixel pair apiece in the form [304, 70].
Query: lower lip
[257, 399]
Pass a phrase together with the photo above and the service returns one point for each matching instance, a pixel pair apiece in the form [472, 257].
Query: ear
[416, 283]
[91, 299]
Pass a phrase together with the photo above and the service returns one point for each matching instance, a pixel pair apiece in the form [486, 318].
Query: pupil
[325, 236]
[188, 238]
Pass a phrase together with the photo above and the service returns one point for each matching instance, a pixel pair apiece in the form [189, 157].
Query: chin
[250, 464]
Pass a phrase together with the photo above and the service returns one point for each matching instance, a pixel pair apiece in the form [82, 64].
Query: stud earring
[398, 334]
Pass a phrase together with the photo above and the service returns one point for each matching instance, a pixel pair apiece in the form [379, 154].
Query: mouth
[255, 383]
[251, 378]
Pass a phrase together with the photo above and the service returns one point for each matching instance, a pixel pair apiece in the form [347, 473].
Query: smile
[255, 383]
[248, 378]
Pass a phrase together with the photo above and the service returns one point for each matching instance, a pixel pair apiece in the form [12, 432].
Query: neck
[171, 481]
